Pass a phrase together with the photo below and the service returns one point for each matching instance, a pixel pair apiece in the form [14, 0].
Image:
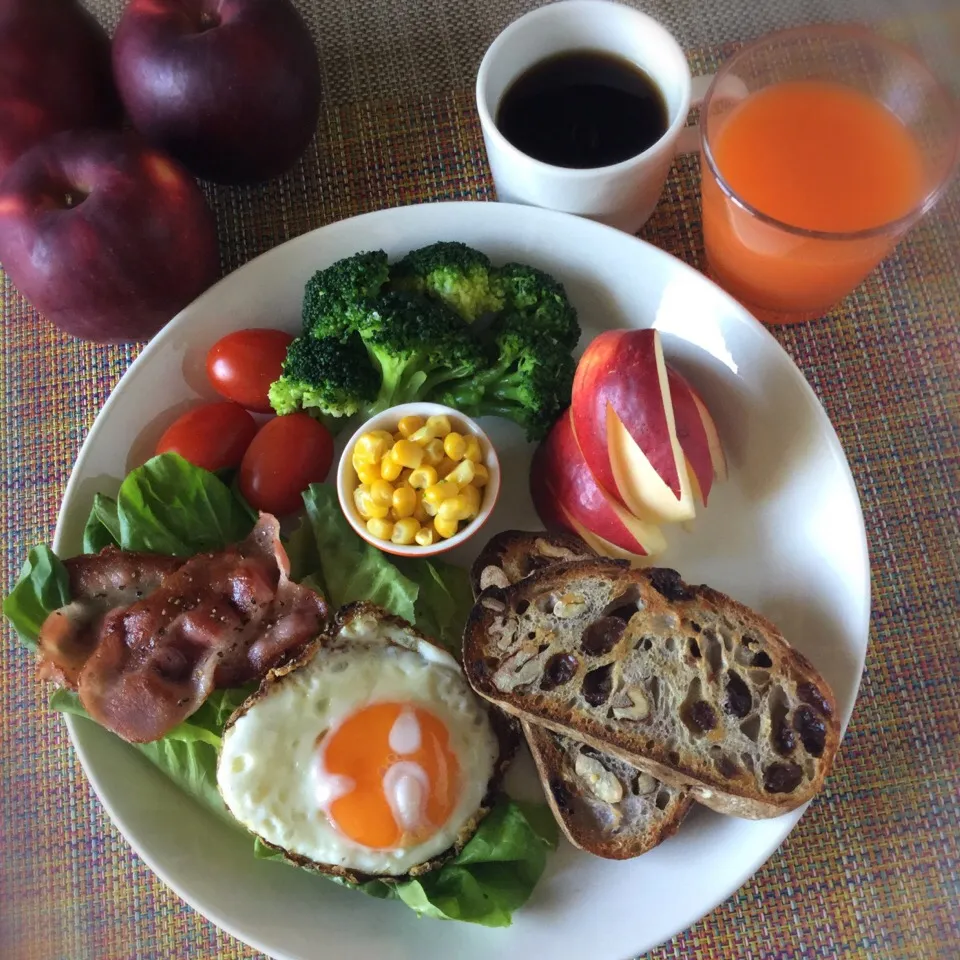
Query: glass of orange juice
[820, 147]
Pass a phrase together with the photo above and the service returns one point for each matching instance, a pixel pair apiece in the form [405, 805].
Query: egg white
[266, 771]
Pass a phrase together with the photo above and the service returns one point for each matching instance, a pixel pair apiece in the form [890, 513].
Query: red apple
[717, 456]
[54, 74]
[623, 420]
[692, 435]
[231, 88]
[568, 481]
[104, 235]
[604, 547]
[545, 501]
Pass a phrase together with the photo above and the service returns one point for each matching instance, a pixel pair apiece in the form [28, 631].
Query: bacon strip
[99, 583]
[216, 620]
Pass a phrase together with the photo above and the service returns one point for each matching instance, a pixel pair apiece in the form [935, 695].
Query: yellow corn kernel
[425, 536]
[472, 495]
[381, 493]
[404, 501]
[368, 472]
[462, 473]
[365, 505]
[420, 512]
[481, 475]
[472, 450]
[405, 530]
[445, 466]
[445, 528]
[430, 509]
[409, 425]
[454, 446]
[433, 451]
[438, 492]
[422, 436]
[397, 435]
[456, 508]
[389, 469]
[422, 477]
[372, 445]
[407, 453]
[440, 425]
[379, 528]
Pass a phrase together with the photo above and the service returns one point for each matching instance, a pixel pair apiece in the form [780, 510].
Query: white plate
[785, 535]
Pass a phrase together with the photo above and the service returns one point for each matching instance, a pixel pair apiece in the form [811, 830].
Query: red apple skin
[619, 370]
[568, 477]
[230, 88]
[691, 432]
[545, 500]
[54, 74]
[105, 236]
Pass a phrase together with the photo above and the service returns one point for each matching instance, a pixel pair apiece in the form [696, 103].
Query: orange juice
[817, 156]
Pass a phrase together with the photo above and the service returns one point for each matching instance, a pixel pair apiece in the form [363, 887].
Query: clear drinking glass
[783, 272]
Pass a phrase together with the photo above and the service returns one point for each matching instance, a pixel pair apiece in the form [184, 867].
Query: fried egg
[371, 754]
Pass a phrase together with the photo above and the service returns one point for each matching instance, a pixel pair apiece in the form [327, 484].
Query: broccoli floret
[460, 276]
[418, 345]
[540, 301]
[326, 377]
[529, 380]
[334, 300]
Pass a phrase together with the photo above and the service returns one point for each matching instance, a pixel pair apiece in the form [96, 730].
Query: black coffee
[583, 109]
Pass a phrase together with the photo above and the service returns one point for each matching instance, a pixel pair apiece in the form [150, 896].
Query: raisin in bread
[604, 805]
[681, 681]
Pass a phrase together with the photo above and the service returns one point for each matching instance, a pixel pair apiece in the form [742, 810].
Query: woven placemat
[872, 869]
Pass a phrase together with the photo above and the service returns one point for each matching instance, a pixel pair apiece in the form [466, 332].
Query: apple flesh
[231, 88]
[54, 74]
[105, 236]
[717, 456]
[624, 423]
[568, 482]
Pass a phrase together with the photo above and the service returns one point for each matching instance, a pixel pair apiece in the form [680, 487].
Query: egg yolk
[397, 780]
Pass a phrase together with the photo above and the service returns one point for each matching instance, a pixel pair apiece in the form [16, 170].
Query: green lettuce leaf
[103, 525]
[351, 569]
[43, 586]
[170, 506]
[444, 599]
[188, 753]
[492, 876]
[496, 871]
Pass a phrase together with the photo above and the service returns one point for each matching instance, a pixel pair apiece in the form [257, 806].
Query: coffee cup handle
[689, 139]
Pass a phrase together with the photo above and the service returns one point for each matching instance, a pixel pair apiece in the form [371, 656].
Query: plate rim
[740, 315]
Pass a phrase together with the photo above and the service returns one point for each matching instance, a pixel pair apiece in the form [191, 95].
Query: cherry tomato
[286, 456]
[242, 365]
[214, 436]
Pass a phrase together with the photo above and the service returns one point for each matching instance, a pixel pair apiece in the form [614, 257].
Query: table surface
[872, 869]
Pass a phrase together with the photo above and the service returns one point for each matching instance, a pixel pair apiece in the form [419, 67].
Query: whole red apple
[54, 74]
[104, 235]
[231, 88]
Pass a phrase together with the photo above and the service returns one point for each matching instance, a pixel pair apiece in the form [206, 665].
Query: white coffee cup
[624, 194]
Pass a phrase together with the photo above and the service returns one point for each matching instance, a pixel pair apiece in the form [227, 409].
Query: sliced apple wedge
[717, 456]
[604, 547]
[624, 422]
[567, 480]
[692, 435]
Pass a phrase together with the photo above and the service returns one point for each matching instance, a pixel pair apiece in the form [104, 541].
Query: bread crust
[695, 688]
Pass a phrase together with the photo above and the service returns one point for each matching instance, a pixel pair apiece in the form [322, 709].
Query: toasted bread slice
[604, 806]
[680, 681]
[514, 554]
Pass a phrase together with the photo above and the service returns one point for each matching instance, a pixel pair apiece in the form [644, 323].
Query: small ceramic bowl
[347, 480]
